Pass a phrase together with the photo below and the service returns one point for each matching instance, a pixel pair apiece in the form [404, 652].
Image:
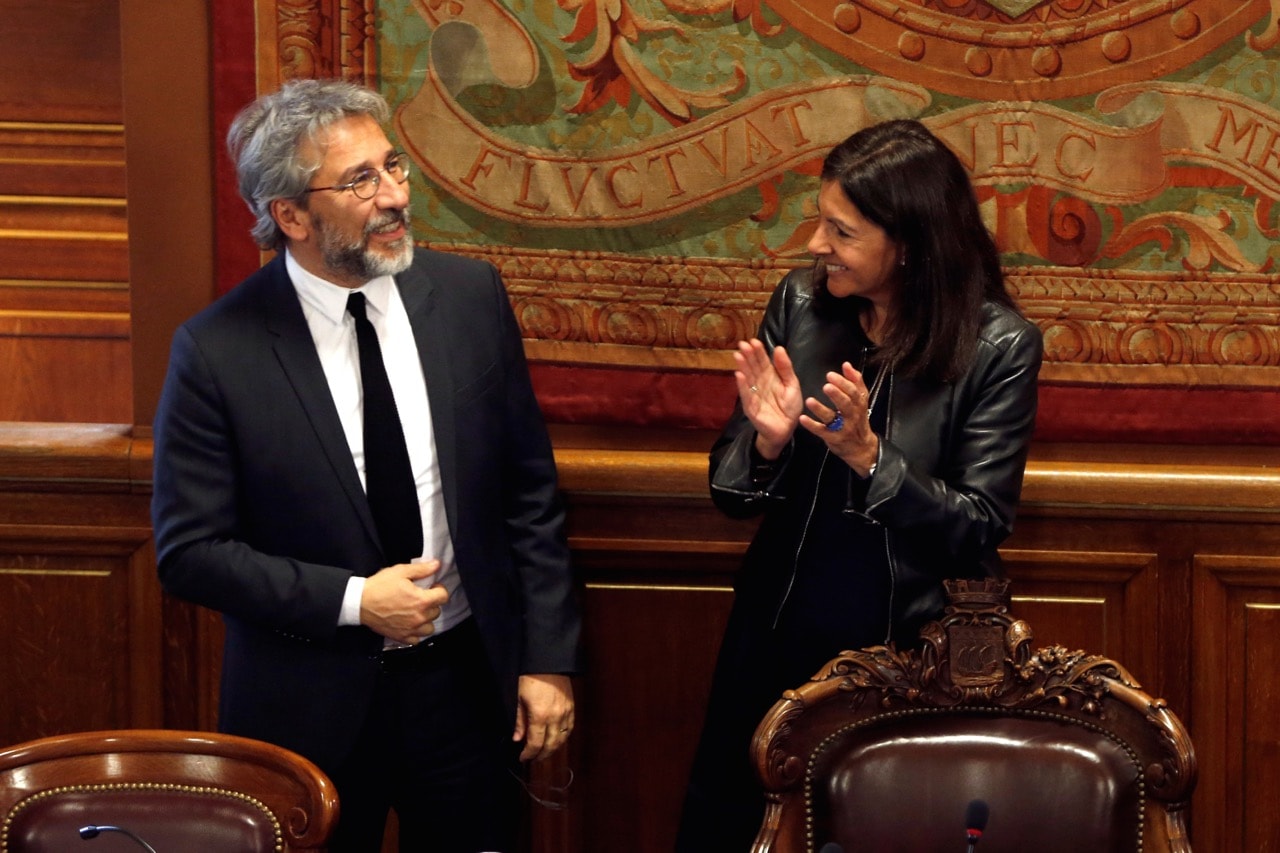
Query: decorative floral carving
[944, 669]
[976, 660]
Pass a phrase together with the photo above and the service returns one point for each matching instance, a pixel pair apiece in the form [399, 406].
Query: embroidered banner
[643, 174]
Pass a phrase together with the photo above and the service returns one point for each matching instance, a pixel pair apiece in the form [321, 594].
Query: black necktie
[388, 476]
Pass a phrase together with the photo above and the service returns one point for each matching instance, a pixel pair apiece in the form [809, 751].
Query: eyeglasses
[366, 182]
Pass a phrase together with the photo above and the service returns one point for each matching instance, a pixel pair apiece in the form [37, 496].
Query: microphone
[831, 847]
[93, 830]
[975, 821]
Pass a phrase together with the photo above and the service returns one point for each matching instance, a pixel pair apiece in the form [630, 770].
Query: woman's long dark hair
[905, 180]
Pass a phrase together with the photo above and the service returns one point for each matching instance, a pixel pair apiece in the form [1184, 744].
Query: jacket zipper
[890, 559]
[893, 584]
[804, 534]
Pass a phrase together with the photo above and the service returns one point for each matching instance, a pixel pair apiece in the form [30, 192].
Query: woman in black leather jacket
[882, 426]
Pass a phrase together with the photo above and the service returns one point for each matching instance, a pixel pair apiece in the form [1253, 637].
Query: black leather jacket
[948, 479]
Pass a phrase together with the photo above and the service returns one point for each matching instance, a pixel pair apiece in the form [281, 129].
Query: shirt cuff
[871, 472]
[350, 612]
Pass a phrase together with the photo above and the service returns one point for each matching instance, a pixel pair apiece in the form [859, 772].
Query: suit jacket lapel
[297, 355]
[420, 296]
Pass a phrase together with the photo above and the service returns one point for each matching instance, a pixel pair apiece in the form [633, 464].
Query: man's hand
[397, 608]
[544, 717]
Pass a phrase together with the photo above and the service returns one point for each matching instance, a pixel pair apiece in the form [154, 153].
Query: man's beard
[355, 259]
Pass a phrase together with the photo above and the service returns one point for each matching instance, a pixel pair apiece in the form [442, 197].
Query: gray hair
[266, 138]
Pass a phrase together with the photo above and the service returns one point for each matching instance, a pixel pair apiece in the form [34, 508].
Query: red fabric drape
[1067, 412]
[234, 85]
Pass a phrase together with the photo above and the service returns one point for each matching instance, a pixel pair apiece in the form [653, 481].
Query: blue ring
[837, 423]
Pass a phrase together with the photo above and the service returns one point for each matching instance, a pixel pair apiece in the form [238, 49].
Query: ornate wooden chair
[1052, 750]
[170, 791]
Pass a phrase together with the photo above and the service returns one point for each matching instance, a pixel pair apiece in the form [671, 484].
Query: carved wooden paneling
[1237, 661]
[317, 38]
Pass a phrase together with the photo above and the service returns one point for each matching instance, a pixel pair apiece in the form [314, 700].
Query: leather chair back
[169, 790]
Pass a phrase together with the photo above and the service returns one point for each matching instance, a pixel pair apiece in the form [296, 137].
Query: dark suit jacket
[259, 512]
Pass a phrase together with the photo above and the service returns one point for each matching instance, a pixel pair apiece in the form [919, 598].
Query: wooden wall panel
[55, 162]
[1099, 601]
[80, 633]
[1237, 661]
[1261, 735]
[59, 370]
[56, 603]
[651, 651]
[61, 61]
[63, 231]
[80, 611]
[50, 256]
[172, 148]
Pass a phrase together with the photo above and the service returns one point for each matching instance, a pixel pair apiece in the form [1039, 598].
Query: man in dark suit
[421, 676]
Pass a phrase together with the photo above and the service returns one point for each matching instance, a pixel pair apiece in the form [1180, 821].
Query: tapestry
[643, 173]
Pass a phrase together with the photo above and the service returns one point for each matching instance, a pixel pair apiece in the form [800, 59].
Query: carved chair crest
[976, 660]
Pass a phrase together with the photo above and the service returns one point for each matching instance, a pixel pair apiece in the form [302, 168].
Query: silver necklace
[874, 394]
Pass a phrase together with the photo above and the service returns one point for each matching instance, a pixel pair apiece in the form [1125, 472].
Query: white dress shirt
[333, 329]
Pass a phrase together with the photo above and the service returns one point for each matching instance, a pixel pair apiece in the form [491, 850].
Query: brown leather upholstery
[886, 751]
[177, 791]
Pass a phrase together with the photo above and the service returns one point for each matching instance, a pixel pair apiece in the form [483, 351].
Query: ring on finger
[837, 423]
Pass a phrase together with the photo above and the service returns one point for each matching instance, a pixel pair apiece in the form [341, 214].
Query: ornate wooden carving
[326, 38]
[978, 656]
